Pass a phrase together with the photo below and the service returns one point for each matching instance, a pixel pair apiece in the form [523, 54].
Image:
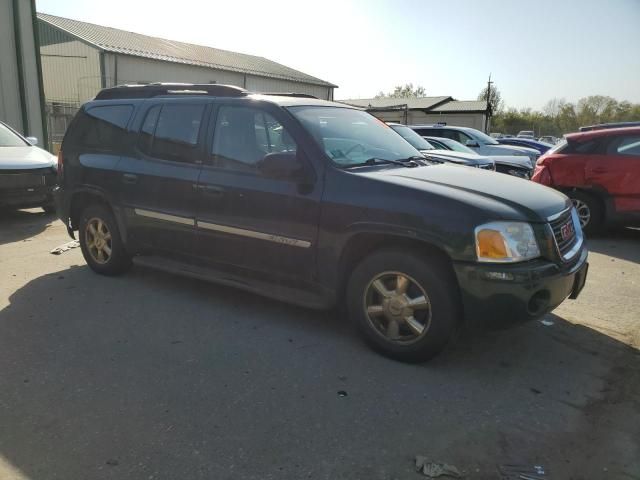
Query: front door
[246, 219]
[159, 179]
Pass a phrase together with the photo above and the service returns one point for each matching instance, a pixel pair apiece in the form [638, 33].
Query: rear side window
[171, 131]
[102, 127]
[589, 147]
[626, 145]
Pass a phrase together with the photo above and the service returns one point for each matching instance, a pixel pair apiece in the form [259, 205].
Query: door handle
[129, 178]
[212, 190]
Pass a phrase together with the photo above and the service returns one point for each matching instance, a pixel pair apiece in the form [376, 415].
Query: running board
[277, 291]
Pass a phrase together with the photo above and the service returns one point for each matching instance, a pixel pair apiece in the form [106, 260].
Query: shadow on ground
[154, 376]
[20, 225]
[622, 243]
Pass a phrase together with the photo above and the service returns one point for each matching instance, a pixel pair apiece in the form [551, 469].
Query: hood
[25, 158]
[512, 150]
[502, 197]
[461, 158]
[519, 161]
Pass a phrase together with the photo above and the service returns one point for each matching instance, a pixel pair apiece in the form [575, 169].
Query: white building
[426, 110]
[21, 100]
[79, 58]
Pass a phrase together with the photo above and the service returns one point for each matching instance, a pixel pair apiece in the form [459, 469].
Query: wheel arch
[84, 197]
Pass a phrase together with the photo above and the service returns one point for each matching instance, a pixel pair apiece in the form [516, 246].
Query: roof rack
[155, 89]
[299, 95]
[603, 126]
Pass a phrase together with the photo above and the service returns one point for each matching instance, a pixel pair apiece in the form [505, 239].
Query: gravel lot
[152, 376]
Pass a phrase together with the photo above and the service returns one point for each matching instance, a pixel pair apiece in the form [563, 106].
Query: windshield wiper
[407, 163]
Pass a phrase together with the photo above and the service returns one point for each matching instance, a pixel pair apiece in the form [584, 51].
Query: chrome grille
[20, 179]
[566, 233]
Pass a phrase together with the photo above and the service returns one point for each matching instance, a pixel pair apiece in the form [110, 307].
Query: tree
[404, 91]
[496, 98]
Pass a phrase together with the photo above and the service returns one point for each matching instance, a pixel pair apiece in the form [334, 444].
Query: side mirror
[281, 166]
[471, 143]
[32, 140]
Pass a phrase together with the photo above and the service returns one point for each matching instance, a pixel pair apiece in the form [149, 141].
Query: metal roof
[462, 106]
[128, 43]
[421, 103]
[432, 104]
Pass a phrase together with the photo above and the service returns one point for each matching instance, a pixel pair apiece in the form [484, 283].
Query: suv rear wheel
[406, 306]
[100, 241]
[589, 211]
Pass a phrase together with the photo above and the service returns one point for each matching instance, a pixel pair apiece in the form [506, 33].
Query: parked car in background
[541, 147]
[468, 159]
[550, 139]
[480, 142]
[600, 171]
[27, 172]
[312, 202]
[516, 165]
[526, 134]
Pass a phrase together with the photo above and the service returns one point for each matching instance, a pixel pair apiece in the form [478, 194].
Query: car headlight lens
[506, 242]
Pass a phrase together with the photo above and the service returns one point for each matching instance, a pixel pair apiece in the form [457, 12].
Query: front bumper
[518, 291]
[26, 197]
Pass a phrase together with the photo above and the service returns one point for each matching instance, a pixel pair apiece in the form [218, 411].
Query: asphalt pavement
[154, 376]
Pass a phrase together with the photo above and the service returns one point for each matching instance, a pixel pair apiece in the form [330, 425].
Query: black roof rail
[155, 89]
[602, 126]
[299, 95]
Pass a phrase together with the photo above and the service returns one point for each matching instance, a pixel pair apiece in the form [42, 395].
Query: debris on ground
[342, 393]
[434, 470]
[65, 247]
[522, 472]
[547, 323]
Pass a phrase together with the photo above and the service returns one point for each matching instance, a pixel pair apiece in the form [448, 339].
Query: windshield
[456, 146]
[412, 137]
[351, 137]
[10, 139]
[485, 138]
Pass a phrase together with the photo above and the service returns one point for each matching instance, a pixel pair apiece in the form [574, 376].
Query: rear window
[625, 145]
[101, 127]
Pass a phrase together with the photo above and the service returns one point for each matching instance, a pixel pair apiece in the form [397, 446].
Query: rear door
[159, 178]
[617, 170]
[244, 218]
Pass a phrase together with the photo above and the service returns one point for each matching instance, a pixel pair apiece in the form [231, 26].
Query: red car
[600, 171]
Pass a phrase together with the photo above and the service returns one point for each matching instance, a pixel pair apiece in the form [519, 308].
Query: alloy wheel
[584, 213]
[397, 307]
[98, 240]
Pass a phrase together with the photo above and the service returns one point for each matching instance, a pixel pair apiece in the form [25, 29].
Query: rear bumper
[519, 291]
[63, 210]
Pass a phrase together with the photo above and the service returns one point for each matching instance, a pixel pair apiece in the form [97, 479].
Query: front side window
[244, 135]
[412, 137]
[352, 137]
[10, 139]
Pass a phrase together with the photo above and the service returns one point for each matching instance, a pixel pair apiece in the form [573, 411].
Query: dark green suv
[314, 203]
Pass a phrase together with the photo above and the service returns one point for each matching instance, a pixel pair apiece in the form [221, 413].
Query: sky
[534, 50]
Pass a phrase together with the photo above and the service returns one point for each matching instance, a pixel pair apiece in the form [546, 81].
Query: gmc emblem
[566, 231]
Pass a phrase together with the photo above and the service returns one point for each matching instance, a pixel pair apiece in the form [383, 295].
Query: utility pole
[489, 111]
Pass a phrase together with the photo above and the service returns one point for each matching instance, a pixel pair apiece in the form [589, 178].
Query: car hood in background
[25, 158]
[508, 197]
[459, 157]
[519, 161]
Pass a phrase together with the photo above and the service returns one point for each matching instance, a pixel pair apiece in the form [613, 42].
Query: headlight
[506, 242]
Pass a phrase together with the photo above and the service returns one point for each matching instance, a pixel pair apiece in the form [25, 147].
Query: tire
[114, 259]
[49, 208]
[439, 316]
[589, 210]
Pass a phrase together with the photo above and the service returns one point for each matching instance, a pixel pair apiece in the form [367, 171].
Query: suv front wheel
[100, 241]
[406, 306]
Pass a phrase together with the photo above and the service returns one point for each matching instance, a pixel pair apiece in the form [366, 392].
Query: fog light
[499, 276]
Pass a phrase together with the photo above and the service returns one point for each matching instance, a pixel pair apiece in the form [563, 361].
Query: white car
[526, 134]
[27, 172]
[478, 141]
